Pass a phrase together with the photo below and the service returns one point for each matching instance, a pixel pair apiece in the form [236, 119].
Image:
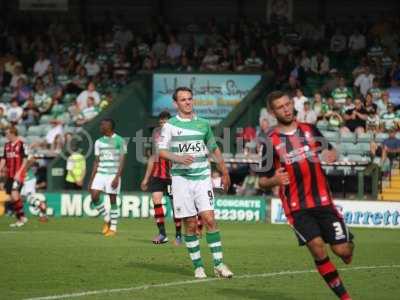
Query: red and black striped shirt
[14, 154]
[161, 166]
[298, 154]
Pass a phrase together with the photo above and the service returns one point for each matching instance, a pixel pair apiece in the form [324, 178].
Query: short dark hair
[13, 130]
[111, 121]
[181, 89]
[274, 96]
[164, 115]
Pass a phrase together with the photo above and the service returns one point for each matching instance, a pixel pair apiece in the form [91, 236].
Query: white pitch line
[197, 281]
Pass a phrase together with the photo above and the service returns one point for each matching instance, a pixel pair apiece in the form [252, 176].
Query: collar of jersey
[108, 137]
[186, 120]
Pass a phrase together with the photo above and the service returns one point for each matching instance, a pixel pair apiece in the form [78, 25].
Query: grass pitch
[69, 256]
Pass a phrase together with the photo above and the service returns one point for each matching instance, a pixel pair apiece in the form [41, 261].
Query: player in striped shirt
[157, 180]
[186, 141]
[292, 149]
[109, 151]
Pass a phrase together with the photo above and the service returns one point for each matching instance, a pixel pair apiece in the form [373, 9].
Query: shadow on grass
[250, 293]
[160, 268]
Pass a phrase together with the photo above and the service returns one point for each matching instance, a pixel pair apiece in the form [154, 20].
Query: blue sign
[214, 96]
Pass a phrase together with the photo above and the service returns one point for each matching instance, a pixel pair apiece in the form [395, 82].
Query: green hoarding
[139, 205]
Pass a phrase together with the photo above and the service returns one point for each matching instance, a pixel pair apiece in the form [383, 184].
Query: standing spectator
[355, 119]
[364, 81]
[357, 42]
[76, 169]
[14, 113]
[319, 64]
[82, 99]
[92, 67]
[41, 65]
[340, 93]
[307, 115]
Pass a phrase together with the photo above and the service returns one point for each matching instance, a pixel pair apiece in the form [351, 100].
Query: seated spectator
[263, 128]
[159, 48]
[184, 66]
[386, 61]
[391, 145]
[88, 113]
[373, 121]
[338, 42]
[3, 121]
[305, 61]
[265, 114]
[348, 105]
[106, 101]
[355, 119]
[41, 98]
[253, 62]
[389, 119]
[17, 75]
[375, 51]
[364, 81]
[135, 60]
[369, 105]
[90, 92]
[331, 83]
[31, 114]
[383, 103]
[121, 69]
[41, 65]
[14, 113]
[249, 186]
[299, 99]
[216, 180]
[375, 90]
[238, 62]
[174, 51]
[56, 130]
[5, 77]
[225, 61]
[319, 64]
[11, 64]
[357, 42]
[307, 115]
[298, 72]
[340, 93]
[334, 118]
[210, 61]
[319, 107]
[22, 91]
[92, 67]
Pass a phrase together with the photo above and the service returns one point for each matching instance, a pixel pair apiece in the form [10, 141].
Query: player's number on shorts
[211, 197]
[338, 229]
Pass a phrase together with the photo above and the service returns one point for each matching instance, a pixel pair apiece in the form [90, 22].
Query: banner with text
[214, 96]
[140, 205]
[355, 213]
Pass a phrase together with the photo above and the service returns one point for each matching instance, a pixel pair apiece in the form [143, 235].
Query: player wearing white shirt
[186, 140]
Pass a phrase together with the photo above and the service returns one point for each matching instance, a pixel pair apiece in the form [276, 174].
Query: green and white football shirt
[189, 137]
[109, 150]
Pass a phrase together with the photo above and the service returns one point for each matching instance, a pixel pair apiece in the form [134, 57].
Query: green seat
[331, 136]
[347, 137]
[365, 137]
